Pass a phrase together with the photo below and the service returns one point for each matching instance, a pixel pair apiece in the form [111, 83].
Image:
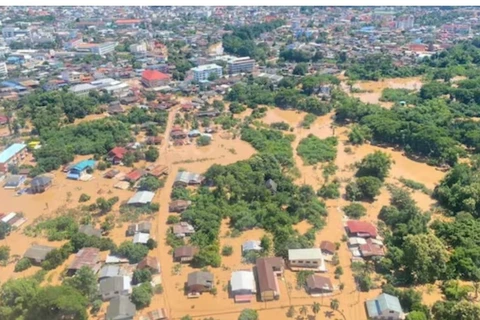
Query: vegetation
[227, 251]
[204, 141]
[142, 295]
[355, 210]
[308, 120]
[313, 150]
[134, 252]
[329, 190]
[280, 126]
[248, 314]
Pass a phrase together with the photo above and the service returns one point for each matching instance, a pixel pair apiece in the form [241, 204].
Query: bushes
[172, 219]
[355, 210]
[204, 141]
[308, 120]
[150, 183]
[141, 276]
[313, 150]
[280, 126]
[142, 295]
[134, 252]
[84, 197]
[22, 264]
[236, 108]
[329, 191]
[227, 251]
[364, 188]
[152, 154]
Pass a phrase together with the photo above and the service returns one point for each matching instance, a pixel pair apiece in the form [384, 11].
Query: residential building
[385, 307]
[121, 308]
[185, 253]
[327, 247]
[134, 175]
[82, 89]
[362, 229]
[37, 253]
[243, 286]
[241, 65]
[12, 32]
[14, 181]
[72, 76]
[179, 205]
[185, 178]
[138, 48]
[183, 229]
[372, 248]
[3, 70]
[154, 78]
[143, 226]
[157, 314]
[267, 270]
[115, 156]
[141, 198]
[80, 169]
[109, 271]
[306, 259]
[251, 245]
[199, 281]
[319, 284]
[96, 48]
[203, 72]
[85, 257]
[150, 263]
[141, 237]
[40, 183]
[115, 286]
[13, 155]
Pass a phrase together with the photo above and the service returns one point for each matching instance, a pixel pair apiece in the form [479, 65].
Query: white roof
[82, 87]
[140, 237]
[9, 217]
[305, 254]
[142, 197]
[355, 241]
[242, 280]
[206, 67]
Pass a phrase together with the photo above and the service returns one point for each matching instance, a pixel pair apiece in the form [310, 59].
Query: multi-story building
[3, 70]
[96, 48]
[203, 72]
[138, 48]
[154, 78]
[306, 259]
[12, 32]
[239, 65]
[71, 76]
[13, 155]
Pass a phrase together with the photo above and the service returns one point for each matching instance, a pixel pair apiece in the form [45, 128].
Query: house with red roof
[154, 78]
[134, 175]
[115, 156]
[361, 229]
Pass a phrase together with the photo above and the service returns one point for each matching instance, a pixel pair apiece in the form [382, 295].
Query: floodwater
[373, 89]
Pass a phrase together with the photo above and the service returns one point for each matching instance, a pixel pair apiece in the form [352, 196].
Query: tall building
[405, 22]
[239, 65]
[204, 72]
[3, 70]
[96, 48]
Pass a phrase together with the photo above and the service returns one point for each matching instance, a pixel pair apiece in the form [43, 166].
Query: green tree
[4, 229]
[141, 276]
[364, 188]
[266, 244]
[204, 141]
[303, 310]
[134, 252]
[376, 164]
[85, 282]
[150, 183]
[152, 154]
[227, 251]
[300, 69]
[334, 304]
[22, 264]
[355, 210]
[128, 159]
[4, 253]
[84, 197]
[142, 295]
[316, 308]
[416, 315]
[248, 314]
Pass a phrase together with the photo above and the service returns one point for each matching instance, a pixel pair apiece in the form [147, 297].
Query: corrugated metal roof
[142, 197]
[242, 280]
[8, 153]
[305, 254]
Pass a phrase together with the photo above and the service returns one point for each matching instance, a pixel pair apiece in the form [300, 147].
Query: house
[40, 183]
[199, 281]
[157, 171]
[141, 237]
[306, 259]
[37, 253]
[115, 108]
[78, 170]
[362, 229]
[210, 114]
[13, 155]
[121, 308]
[115, 286]
[109, 271]
[243, 286]
[185, 253]
[179, 205]
[183, 229]
[134, 175]
[150, 263]
[185, 178]
[157, 314]
[267, 270]
[89, 230]
[384, 307]
[153, 140]
[251, 245]
[141, 198]
[154, 78]
[371, 249]
[110, 174]
[14, 181]
[194, 133]
[271, 185]
[317, 284]
[85, 257]
[176, 135]
[143, 227]
[115, 156]
[328, 247]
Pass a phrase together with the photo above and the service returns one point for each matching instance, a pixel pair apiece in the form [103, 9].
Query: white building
[71, 76]
[138, 48]
[239, 65]
[12, 32]
[3, 70]
[306, 259]
[204, 72]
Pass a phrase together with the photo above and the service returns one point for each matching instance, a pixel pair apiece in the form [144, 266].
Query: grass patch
[412, 184]
[313, 150]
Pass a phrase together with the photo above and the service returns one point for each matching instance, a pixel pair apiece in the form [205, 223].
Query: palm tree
[316, 308]
[304, 310]
[334, 304]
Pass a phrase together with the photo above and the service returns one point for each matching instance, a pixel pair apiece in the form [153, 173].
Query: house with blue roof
[78, 170]
[385, 307]
[12, 156]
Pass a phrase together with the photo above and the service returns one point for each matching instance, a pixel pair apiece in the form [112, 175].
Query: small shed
[37, 253]
[199, 281]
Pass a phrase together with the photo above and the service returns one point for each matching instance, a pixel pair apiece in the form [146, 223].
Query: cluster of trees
[242, 42]
[397, 95]
[313, 150]
[294, 55]
[377, 66]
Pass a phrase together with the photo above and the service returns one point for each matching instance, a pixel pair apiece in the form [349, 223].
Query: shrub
[313, 150]
[204, 141]
[84, 197]
[355, 210]
[172, 219]
[329, 191]
[227, 251]
[23, 264]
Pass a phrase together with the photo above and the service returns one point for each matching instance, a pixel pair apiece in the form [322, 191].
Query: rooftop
[206, 67]
[141, 197]
[305, 254]
[8, 153]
